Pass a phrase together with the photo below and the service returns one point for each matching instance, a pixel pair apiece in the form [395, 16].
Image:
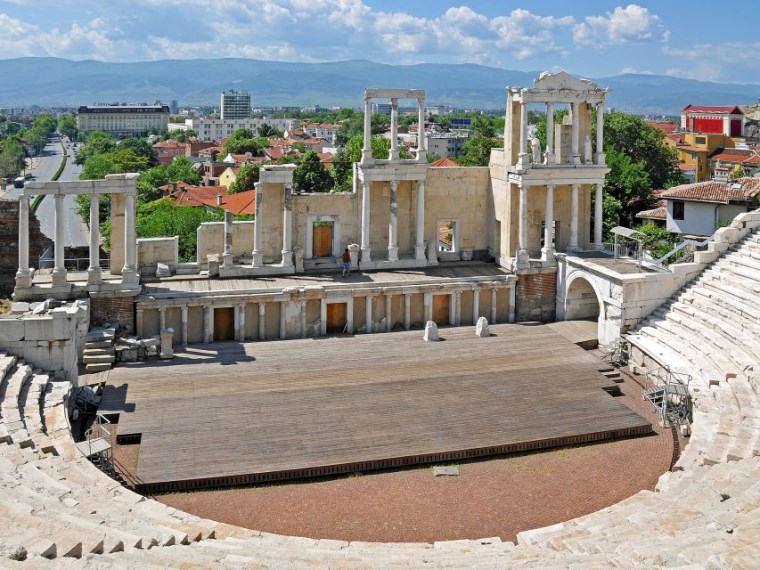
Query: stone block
[162, 270]
[46, 328]
[481, 328]
[431, 332]
[11, 330]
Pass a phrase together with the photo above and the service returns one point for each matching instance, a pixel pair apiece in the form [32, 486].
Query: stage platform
[229, 413]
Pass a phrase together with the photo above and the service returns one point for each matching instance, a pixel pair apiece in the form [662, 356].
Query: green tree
[310, 176]
[247, 176]
[477, 150]
[268, 131]
[11, 157]
[161, 218]
[115, 162]
[342, 171]
[179, 170]
[629, 184]
[243, 141]
[67, 126]
[98, 142]
[140, 147]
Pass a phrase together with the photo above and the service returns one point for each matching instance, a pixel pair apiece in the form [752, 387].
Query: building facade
[207, 129]
[235, 105]
[123, 121]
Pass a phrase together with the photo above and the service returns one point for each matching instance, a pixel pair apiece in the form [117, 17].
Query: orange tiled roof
[713, 109]
[660, 213]
[665, 126]
[737, 155]
[445, 162]
[742, 190]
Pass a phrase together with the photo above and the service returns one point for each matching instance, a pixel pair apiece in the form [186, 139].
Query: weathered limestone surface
[431, 332]
[481, 329]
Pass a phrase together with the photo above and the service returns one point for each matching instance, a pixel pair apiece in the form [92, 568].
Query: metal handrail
[79, 262]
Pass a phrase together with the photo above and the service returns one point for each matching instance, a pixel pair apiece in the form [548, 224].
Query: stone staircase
[703, 514]
[99, 352]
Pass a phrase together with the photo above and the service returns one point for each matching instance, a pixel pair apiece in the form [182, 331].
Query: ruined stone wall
[113, 308]
[9, 244]
[535, 298]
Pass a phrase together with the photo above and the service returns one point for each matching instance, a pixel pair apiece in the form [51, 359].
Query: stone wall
[9, 244]
[113, 308]
[535, 298]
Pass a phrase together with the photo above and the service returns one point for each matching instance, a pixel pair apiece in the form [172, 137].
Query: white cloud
[715, 62]
[629, 69]
[14, 28]
[632, 24]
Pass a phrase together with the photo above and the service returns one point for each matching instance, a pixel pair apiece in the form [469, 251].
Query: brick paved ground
[495, 497]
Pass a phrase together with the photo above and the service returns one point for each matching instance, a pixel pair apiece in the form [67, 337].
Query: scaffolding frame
[668, 392]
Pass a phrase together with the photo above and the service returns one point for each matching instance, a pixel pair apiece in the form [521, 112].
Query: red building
[727, 121]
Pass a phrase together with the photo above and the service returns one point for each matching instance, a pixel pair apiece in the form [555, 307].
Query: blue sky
[594, 38]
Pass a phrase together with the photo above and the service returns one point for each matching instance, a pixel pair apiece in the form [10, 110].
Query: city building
[123, 120]
[714, 119]
[208, 129]
[235, 105]
[446, 144]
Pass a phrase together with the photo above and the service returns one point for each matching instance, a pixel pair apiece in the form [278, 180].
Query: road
[75, 232]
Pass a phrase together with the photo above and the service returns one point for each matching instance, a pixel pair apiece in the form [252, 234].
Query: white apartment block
[207, 129]
[235, 105]
[446, 144]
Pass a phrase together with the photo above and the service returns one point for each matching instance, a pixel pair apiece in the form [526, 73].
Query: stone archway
[581, 300]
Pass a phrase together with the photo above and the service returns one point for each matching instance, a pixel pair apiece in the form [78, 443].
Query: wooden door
[336, 317]
[322, 240]
[224, 323]
[441, 309]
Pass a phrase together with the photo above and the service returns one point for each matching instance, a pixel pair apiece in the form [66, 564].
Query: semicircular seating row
[56, 506]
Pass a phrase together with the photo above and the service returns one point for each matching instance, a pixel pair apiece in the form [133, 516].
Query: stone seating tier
[706, 512]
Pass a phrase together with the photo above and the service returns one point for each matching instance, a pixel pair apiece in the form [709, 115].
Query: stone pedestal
[167, 351]
[431, 332]
[481, 328]
[298, 255]
[353, 251]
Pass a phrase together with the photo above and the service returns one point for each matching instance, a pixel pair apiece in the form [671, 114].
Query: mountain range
[48, 81]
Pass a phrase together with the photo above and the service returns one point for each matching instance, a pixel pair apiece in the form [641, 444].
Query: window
[700, 140]
[678, 209]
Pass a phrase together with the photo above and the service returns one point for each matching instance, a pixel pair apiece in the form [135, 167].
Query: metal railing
[668, 392]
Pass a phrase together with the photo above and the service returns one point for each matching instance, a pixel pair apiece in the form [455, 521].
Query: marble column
[523, 259]
[522, 159]
[427, 307]
[93, 271]
[183, 310]
[283, 321]
[393, 224]
[550, 156]
[227, 258]
[323, 316]
[258, 228]
[302, 309]
[161, 319]
[419, 246]
[129, 271]
[24, 273]
[287, 216]
[475, 305]
[59, 269]
[494, 299]
[574, 219]
[139, 322]
[241, 322]
[547, 252]
[407, 311]
[208, 324]
[366, 249]
[393, 154]
[262, 321]
[367, 148]
[575, 153]
[368, 314]
[457, 302]
[600, 157]
[598, 215]
[388, 317]
[421, 142]
[512, 303]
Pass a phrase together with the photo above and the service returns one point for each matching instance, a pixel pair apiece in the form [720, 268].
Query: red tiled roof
[445, 163]
[171, 143]
[665, 126]
[195, 196]
[737, 155]
[240, 203]
[677, 137]
[683, 167]
[692, 148]
[742, 190]
[659, 213]
[713, 109]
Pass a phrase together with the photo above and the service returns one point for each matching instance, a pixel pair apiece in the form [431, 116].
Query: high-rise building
[235, 105]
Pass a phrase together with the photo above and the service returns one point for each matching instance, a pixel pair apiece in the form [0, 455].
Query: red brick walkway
[494, 497]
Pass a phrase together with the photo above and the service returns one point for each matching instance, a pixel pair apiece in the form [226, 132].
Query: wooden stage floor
[231, 413]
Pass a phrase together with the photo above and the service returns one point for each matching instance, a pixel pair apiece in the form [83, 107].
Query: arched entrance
[581, 300]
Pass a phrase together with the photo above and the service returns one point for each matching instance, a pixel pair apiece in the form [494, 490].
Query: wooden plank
[307, 406]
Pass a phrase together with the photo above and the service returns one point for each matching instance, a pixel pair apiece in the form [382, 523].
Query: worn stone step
[99, 367]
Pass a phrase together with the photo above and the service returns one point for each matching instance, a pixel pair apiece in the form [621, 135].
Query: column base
[601, 158]
[522, 259]
[129, 275]
[573, 248]
[419, 252]
[24, 278]
[576, 159]
[94, 276]
[227, 260]
[550, 158]
[547, 257]
[392, 253]
[523, 161]
[366, 254]
[59, 277]
[258, 259]
[287, 258]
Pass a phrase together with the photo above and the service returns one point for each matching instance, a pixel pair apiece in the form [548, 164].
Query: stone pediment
[563, 81]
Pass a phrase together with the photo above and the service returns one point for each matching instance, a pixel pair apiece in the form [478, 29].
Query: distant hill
[51, 81]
